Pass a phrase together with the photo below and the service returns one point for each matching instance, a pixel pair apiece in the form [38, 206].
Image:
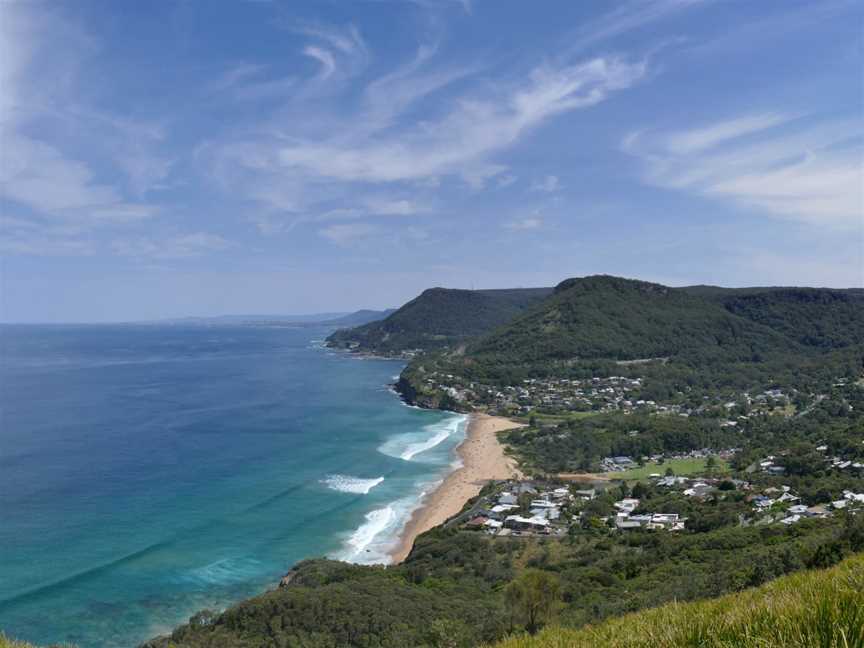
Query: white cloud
[383, 206]
[304, 159]
[530, 223]
[793, 168]
[348, 39]
[626, 17]
[61, 154]
[324, 57]
[346, 234]
[549, 184]
[183, 246]
[463, 138]
[700, 139]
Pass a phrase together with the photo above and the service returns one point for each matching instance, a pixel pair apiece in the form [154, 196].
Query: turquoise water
[147, 472]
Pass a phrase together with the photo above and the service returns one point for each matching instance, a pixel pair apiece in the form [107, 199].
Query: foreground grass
[813, 609]
[5, 642]
[688, 466]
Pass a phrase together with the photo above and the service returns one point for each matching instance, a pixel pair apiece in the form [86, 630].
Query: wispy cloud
[461, 143]
[325, 58]
[795, 168]
[699, 139]
[531, 223]
[70, 179]
[549, 184]
[346, 234]
[626, 17]
[182, 246]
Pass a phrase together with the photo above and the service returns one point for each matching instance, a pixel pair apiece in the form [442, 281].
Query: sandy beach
[483, 459]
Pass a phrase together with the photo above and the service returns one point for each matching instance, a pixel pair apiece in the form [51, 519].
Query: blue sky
[166, 158]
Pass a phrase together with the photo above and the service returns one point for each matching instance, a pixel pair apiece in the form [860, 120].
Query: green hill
[811, 609]
[814, 317]
[439, 317]
[622, 319]
[713, 337]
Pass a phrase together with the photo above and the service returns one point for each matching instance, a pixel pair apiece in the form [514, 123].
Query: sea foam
[372, 542]
[407, 446]
[349, 484]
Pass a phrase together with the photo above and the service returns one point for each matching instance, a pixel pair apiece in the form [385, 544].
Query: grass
[555, 419]
[6, 642]
[810, 609]
[688, 466]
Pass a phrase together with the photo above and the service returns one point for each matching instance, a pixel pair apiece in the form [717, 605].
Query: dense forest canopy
[439, 317]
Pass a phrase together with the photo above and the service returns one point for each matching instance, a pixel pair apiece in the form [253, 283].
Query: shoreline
[483, 459]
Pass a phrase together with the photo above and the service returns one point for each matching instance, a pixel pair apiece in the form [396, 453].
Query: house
[641, 519]
[699, 489]
[671, 480]
[500, 509]
[627, 505]
[797, 509]
[561, 494]
[792, 519]
[546, 513]
[542, 504]
[853, 497]
[493, 525]
[507, 498]
[526, 524]
[586, 495]
[476, 522]
[665, 519]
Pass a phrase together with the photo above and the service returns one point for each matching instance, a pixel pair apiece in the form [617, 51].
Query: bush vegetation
[814, 609]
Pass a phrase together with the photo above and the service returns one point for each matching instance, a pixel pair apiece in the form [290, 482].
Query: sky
[181, 157]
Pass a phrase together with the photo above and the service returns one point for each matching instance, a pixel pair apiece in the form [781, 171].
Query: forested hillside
[439, 317]
[452, 589]
[622, 319]
[702, 336]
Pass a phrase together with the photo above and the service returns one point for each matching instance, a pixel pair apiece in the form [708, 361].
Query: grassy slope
[804, 610]
[5, 642]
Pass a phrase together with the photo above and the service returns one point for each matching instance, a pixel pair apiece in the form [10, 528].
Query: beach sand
[483, 459]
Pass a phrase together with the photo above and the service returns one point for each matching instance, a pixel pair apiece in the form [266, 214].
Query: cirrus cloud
[801, 169]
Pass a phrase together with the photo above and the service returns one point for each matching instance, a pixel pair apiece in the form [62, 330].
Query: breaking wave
[349, 484]
[407, 446]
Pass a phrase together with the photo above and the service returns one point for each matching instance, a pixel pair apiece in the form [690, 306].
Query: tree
[711, 465]
[533, 598]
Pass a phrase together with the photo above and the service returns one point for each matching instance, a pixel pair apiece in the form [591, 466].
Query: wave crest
[349, 484]
[408, 446]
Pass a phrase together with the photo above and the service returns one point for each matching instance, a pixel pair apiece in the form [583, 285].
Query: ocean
[147, 472]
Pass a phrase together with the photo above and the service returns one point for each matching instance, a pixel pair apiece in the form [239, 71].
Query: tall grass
[815, 609]
[6, 642]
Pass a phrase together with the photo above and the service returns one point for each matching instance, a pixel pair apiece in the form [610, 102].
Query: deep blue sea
[147, 472]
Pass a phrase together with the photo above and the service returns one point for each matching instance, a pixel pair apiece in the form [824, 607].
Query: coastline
[483, 459]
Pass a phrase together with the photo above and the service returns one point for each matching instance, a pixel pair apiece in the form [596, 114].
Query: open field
[689, 466]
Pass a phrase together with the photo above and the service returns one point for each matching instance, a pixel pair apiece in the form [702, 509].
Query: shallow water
[150, 471]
